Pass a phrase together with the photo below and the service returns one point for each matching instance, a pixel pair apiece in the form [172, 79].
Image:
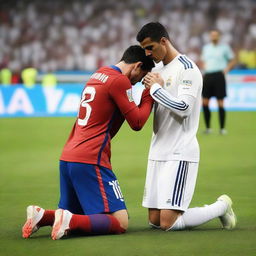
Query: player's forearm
[137, 117]
[180, 106]
[117, 123]
[230, 65]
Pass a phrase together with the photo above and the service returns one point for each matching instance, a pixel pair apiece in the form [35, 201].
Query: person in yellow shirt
[5, 76]
[247, 58]
[28, 76]
[49, 80]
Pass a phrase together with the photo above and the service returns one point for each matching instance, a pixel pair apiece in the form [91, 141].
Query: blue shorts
[89, 189]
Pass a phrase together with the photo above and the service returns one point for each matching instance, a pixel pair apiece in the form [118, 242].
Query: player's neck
[171, 54]
[125, 68]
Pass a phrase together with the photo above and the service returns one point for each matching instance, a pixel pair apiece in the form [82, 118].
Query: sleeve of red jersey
[118, 120]
[120, 91]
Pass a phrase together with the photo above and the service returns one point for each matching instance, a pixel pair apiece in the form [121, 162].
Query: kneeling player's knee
[165, 226]
[122, 217]
[124, 224]
[168, 218]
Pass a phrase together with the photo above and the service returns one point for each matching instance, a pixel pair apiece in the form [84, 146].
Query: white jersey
[174, 136]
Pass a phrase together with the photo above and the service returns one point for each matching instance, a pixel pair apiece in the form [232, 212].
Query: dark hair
[136, 53]
[154, 30]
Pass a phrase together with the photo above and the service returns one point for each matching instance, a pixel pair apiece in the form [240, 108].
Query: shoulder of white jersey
[185, 62]
[158, 67]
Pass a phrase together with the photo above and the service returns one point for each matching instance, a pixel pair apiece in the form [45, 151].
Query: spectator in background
[77, 28]
[247, 56]
[49, 80]
[218, 59]
[28, 76]
[16, 77]
[5, 76]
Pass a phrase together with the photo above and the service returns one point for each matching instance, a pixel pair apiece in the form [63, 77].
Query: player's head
[141, 63]
[214, 36]
[154, 38]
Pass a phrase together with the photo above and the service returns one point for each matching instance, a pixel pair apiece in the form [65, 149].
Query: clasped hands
[152, 78]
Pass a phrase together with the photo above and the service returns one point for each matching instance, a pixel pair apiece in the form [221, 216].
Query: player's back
[89, 141]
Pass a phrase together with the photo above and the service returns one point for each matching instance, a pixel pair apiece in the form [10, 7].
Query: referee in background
[218, 59]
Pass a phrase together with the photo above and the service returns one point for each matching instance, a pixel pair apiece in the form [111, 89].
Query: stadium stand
[83, 35]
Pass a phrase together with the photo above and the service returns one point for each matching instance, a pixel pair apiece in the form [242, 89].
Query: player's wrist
[154, 88]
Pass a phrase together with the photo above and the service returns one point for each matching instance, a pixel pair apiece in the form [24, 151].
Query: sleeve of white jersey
[187, 93]
[190, 83]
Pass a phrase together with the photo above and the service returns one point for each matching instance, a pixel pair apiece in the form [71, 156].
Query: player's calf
[95, 224]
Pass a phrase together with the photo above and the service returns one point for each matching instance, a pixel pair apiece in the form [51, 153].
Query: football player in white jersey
[174, 152]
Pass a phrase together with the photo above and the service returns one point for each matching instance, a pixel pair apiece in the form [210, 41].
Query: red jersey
[106, 100]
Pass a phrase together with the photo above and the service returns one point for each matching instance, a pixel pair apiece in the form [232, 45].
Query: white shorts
[170, 184]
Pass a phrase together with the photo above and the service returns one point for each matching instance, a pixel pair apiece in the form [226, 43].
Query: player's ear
[138, 65]
[163, 40]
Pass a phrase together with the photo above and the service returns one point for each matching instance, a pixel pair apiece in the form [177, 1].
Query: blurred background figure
[218, 59]
[16, 77]
[5, 76]
[49, 80]
[83, 35]
[28, 76]
[247, 56]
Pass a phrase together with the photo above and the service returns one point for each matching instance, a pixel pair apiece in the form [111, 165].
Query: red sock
[96, 224]
[80, 223]
[47, 219]
[115, 227]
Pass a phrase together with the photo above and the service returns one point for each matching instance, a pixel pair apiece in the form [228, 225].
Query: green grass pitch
[30, 148]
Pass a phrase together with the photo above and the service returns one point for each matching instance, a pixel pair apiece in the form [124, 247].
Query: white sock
[197, 216]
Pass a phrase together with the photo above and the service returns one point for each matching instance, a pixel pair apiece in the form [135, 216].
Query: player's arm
[183, 104]
[118, 120]
[203, 58]
[231, 60]
[136, 116]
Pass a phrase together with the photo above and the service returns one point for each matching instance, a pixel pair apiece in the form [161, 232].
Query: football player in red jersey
[91, 200]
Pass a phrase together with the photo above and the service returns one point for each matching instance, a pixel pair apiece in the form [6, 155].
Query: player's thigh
[150, 197]
[171, 186]
[220, 86]
[160, 181]
[68, 198]
[97, 188]
[122, 216]
[184, 192]
[207, 91]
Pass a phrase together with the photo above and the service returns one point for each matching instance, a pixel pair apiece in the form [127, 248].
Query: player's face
[137, 74]
[155, 50]
[214, 36]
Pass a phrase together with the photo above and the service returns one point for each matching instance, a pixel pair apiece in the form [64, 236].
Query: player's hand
[152, 78]
[225, 71]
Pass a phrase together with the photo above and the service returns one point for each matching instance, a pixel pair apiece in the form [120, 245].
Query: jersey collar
[116, 68]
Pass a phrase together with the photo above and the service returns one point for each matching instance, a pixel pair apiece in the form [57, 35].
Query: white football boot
[61, 223]
[34, 215]
[228, 219]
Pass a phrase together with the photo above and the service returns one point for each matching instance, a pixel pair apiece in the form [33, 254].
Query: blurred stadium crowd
[55, 35]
